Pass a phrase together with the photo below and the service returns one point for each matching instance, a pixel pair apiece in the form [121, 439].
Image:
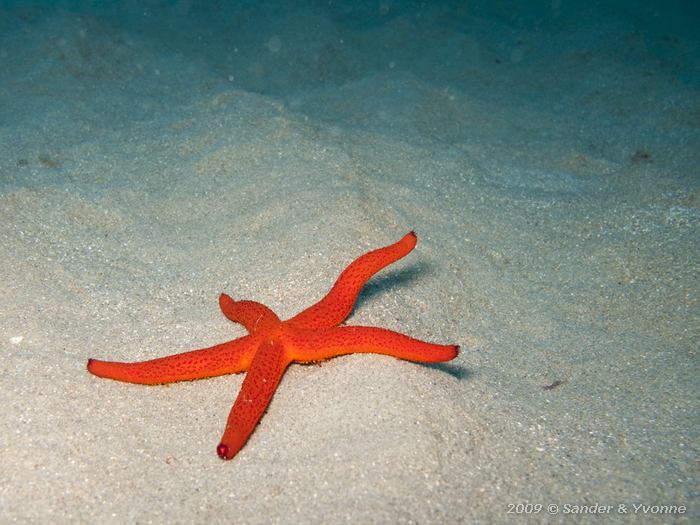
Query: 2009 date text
[524, 508]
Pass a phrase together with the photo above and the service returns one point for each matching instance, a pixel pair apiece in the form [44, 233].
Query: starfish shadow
[389, 280]
[456, 371]
[397, 278]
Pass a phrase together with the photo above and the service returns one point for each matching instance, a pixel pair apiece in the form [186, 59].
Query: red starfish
[271, 345]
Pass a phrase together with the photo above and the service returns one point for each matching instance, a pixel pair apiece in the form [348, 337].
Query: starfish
[271, 345]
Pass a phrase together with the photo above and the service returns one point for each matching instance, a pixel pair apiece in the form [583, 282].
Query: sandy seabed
[151, 158]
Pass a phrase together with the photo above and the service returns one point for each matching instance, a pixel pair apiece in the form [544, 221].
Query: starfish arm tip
[444, 353]
[223, 451]
[411, 239]
[94, 366]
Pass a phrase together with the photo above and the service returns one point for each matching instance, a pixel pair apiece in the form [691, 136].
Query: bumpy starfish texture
[271, 345]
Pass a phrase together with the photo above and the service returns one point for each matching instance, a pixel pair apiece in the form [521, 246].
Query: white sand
[151, 158]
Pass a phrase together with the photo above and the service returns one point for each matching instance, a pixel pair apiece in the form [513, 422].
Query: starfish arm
[254, 316]
[317, 345]
[259, 386]
[334, 308]
[227, 358]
